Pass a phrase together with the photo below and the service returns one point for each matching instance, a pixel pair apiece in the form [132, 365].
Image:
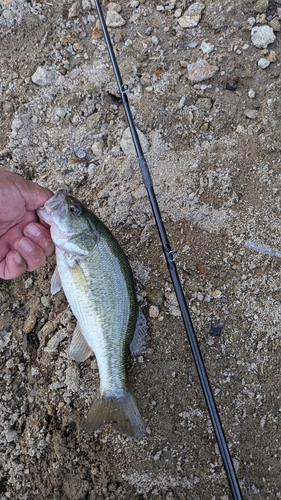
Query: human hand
[25, 242]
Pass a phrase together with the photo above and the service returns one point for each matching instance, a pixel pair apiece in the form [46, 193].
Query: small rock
[30, 322]
[97, 148]
[233, 84]
[172, 304]
[261, 19]
[271, 56]
[216, 294]
[239, 129]
[192, 16]
[178, 13]
[251, 93]
[74, 10]
[96, 33]
[43, 77]
[251, 113]
[155, 40]
[200, 268]
[153, 312]
[114, 20]
[204, 103]
[275, 24]
[86, 5]
[46, 301]
[251, 21]
[263, 63]
[28, 283]
[115, 151]
[11, 435]
[54, 342]
[193, 44]
[72, 378]
[93, 122]
[200, 71]
[262, 36]
[4, 339]
[216, 328]
[206, 47]
[127, 143]
[175, 311]
[261, 6]
[134, 4]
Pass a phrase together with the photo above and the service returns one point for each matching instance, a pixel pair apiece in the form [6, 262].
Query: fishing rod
[170, 260]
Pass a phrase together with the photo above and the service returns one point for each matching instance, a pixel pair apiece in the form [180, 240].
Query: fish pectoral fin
[79, 349]
[138, 343]
[55, 282]
[121, 412]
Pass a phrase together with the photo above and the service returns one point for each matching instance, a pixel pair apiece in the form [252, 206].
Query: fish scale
[99, 312]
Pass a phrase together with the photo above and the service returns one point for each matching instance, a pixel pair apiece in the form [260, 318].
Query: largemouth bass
[97, 280]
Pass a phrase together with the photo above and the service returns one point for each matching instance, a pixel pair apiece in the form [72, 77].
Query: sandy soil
[214, 153]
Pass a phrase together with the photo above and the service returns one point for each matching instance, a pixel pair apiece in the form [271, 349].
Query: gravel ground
[204, 87]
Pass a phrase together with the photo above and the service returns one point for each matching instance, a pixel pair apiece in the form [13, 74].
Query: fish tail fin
[122, 412]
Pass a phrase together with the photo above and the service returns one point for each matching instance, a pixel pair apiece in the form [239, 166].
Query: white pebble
[206, 47]
[192, 16]
[263, 63]
[11, 435]
[251, 21]
[43, 77]
[251, 93]
[262, 36]
[153, 312]
[114, 20]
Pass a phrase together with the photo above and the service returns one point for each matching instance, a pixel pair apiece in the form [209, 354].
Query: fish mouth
[52, 206]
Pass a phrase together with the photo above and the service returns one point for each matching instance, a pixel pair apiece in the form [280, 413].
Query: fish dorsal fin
[138, 343]
[79, 349]
[55, 282]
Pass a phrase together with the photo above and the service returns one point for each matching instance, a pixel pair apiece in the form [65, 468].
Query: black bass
[97, 280]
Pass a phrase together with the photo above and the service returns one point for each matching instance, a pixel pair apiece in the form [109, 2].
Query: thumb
[34, 195]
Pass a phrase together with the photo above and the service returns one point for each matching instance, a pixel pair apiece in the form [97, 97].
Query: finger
[40, 235]
[12, 266]
[35, 195]
[33, 254]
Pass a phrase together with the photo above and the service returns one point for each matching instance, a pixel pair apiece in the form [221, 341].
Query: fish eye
[75, 210]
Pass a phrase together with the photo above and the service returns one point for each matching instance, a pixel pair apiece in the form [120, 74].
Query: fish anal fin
[79, 349]
[121, 412]
[138, 343]
[55, 282]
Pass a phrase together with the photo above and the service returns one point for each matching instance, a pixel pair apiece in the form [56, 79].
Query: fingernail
[33, 230]
[18, 259]
[25, 245]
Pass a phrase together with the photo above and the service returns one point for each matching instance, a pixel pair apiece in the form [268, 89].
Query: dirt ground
[213, 147]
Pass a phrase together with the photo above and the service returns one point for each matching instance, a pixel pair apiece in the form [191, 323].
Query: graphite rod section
[203, 377]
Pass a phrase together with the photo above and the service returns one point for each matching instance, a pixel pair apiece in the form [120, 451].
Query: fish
[97, 280]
